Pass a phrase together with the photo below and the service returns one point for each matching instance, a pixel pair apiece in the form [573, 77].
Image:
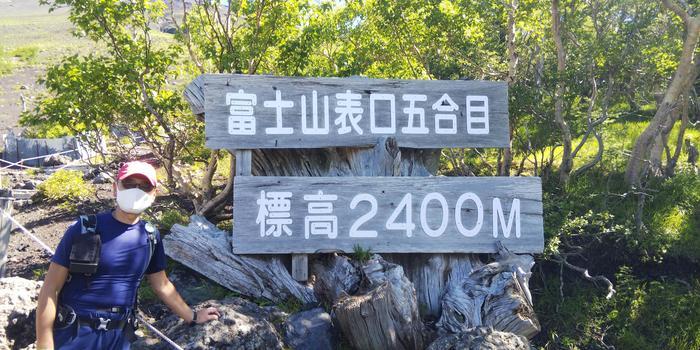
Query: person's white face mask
[134, 200]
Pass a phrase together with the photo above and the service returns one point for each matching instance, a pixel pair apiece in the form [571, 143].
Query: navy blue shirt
[123, 257]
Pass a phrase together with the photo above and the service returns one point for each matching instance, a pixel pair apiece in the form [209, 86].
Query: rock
[168, 28]
[102, 178]
[242, 325]
[56, 159]
[310, 330]
[18, 298]
[31, 185]
[480, 338]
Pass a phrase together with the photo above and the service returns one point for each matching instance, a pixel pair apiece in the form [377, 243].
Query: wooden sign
[387, 214]
[253, 111]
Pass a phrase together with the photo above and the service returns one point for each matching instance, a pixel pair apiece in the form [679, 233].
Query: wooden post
[300, 267]
[5, 227]
[243, 162]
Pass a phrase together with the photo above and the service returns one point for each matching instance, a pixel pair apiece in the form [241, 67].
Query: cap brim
[132, 173]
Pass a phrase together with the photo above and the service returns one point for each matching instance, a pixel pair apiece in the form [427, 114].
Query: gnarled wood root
[495, 295]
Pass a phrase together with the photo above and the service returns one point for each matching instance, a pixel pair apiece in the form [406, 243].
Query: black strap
[152, 238]
[102, 324]
[114, 309]
[88, 224]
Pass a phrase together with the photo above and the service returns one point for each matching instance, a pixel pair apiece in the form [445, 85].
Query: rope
[31, 235]
[18, 163]
[158, 333]
[49, 250]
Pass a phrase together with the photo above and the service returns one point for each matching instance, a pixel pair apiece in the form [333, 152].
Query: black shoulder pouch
[85, 251]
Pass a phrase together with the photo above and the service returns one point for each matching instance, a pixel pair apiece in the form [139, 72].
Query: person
[97, 310]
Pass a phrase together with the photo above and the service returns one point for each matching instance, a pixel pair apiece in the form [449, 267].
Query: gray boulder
[310, 330]
[18, 298]
[243, 325]
[102, 178]
[480, 338]
[31, 184]
[56, 159]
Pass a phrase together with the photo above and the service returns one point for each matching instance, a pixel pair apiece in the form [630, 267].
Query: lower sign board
[274, 215]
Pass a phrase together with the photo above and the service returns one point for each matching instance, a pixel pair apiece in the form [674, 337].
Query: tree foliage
[621, 58]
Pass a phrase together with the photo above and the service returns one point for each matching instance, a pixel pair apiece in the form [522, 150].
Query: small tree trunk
[672, 160]
[507, 162]
[566, 161]
[645, 154]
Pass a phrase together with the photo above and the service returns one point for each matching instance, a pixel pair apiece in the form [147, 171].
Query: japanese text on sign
[250, 111]
[387, 214]
[349, 110]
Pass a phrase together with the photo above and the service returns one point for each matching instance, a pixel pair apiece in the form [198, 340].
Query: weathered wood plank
[299, 217]
[253, 111]
[194, 94]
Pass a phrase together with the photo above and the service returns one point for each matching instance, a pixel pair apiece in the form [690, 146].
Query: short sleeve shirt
[123, 258]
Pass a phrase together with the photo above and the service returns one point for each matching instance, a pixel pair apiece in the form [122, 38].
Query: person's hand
[208, 314]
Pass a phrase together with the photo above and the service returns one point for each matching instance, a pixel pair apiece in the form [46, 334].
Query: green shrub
[65, 186]
[361, 254]
[26, 53]
[225, 225]
[46, 131]
[6, 66]
[644, 314]
[672, 216]
[170, 217]
[657, 314]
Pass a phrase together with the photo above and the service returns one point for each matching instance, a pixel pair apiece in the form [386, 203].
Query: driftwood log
[204, 248]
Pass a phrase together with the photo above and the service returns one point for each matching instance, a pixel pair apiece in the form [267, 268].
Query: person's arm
[166, 292]
[47, 303]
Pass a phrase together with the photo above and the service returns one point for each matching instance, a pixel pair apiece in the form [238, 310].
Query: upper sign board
[255, 111]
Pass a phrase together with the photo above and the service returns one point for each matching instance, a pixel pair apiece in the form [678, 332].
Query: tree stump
[384, 317]
[334, 276]
[496, 295]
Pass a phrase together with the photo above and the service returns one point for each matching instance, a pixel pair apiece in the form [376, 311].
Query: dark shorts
[86, 337]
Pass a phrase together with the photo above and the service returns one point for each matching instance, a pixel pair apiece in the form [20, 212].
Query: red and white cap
[137, 167]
